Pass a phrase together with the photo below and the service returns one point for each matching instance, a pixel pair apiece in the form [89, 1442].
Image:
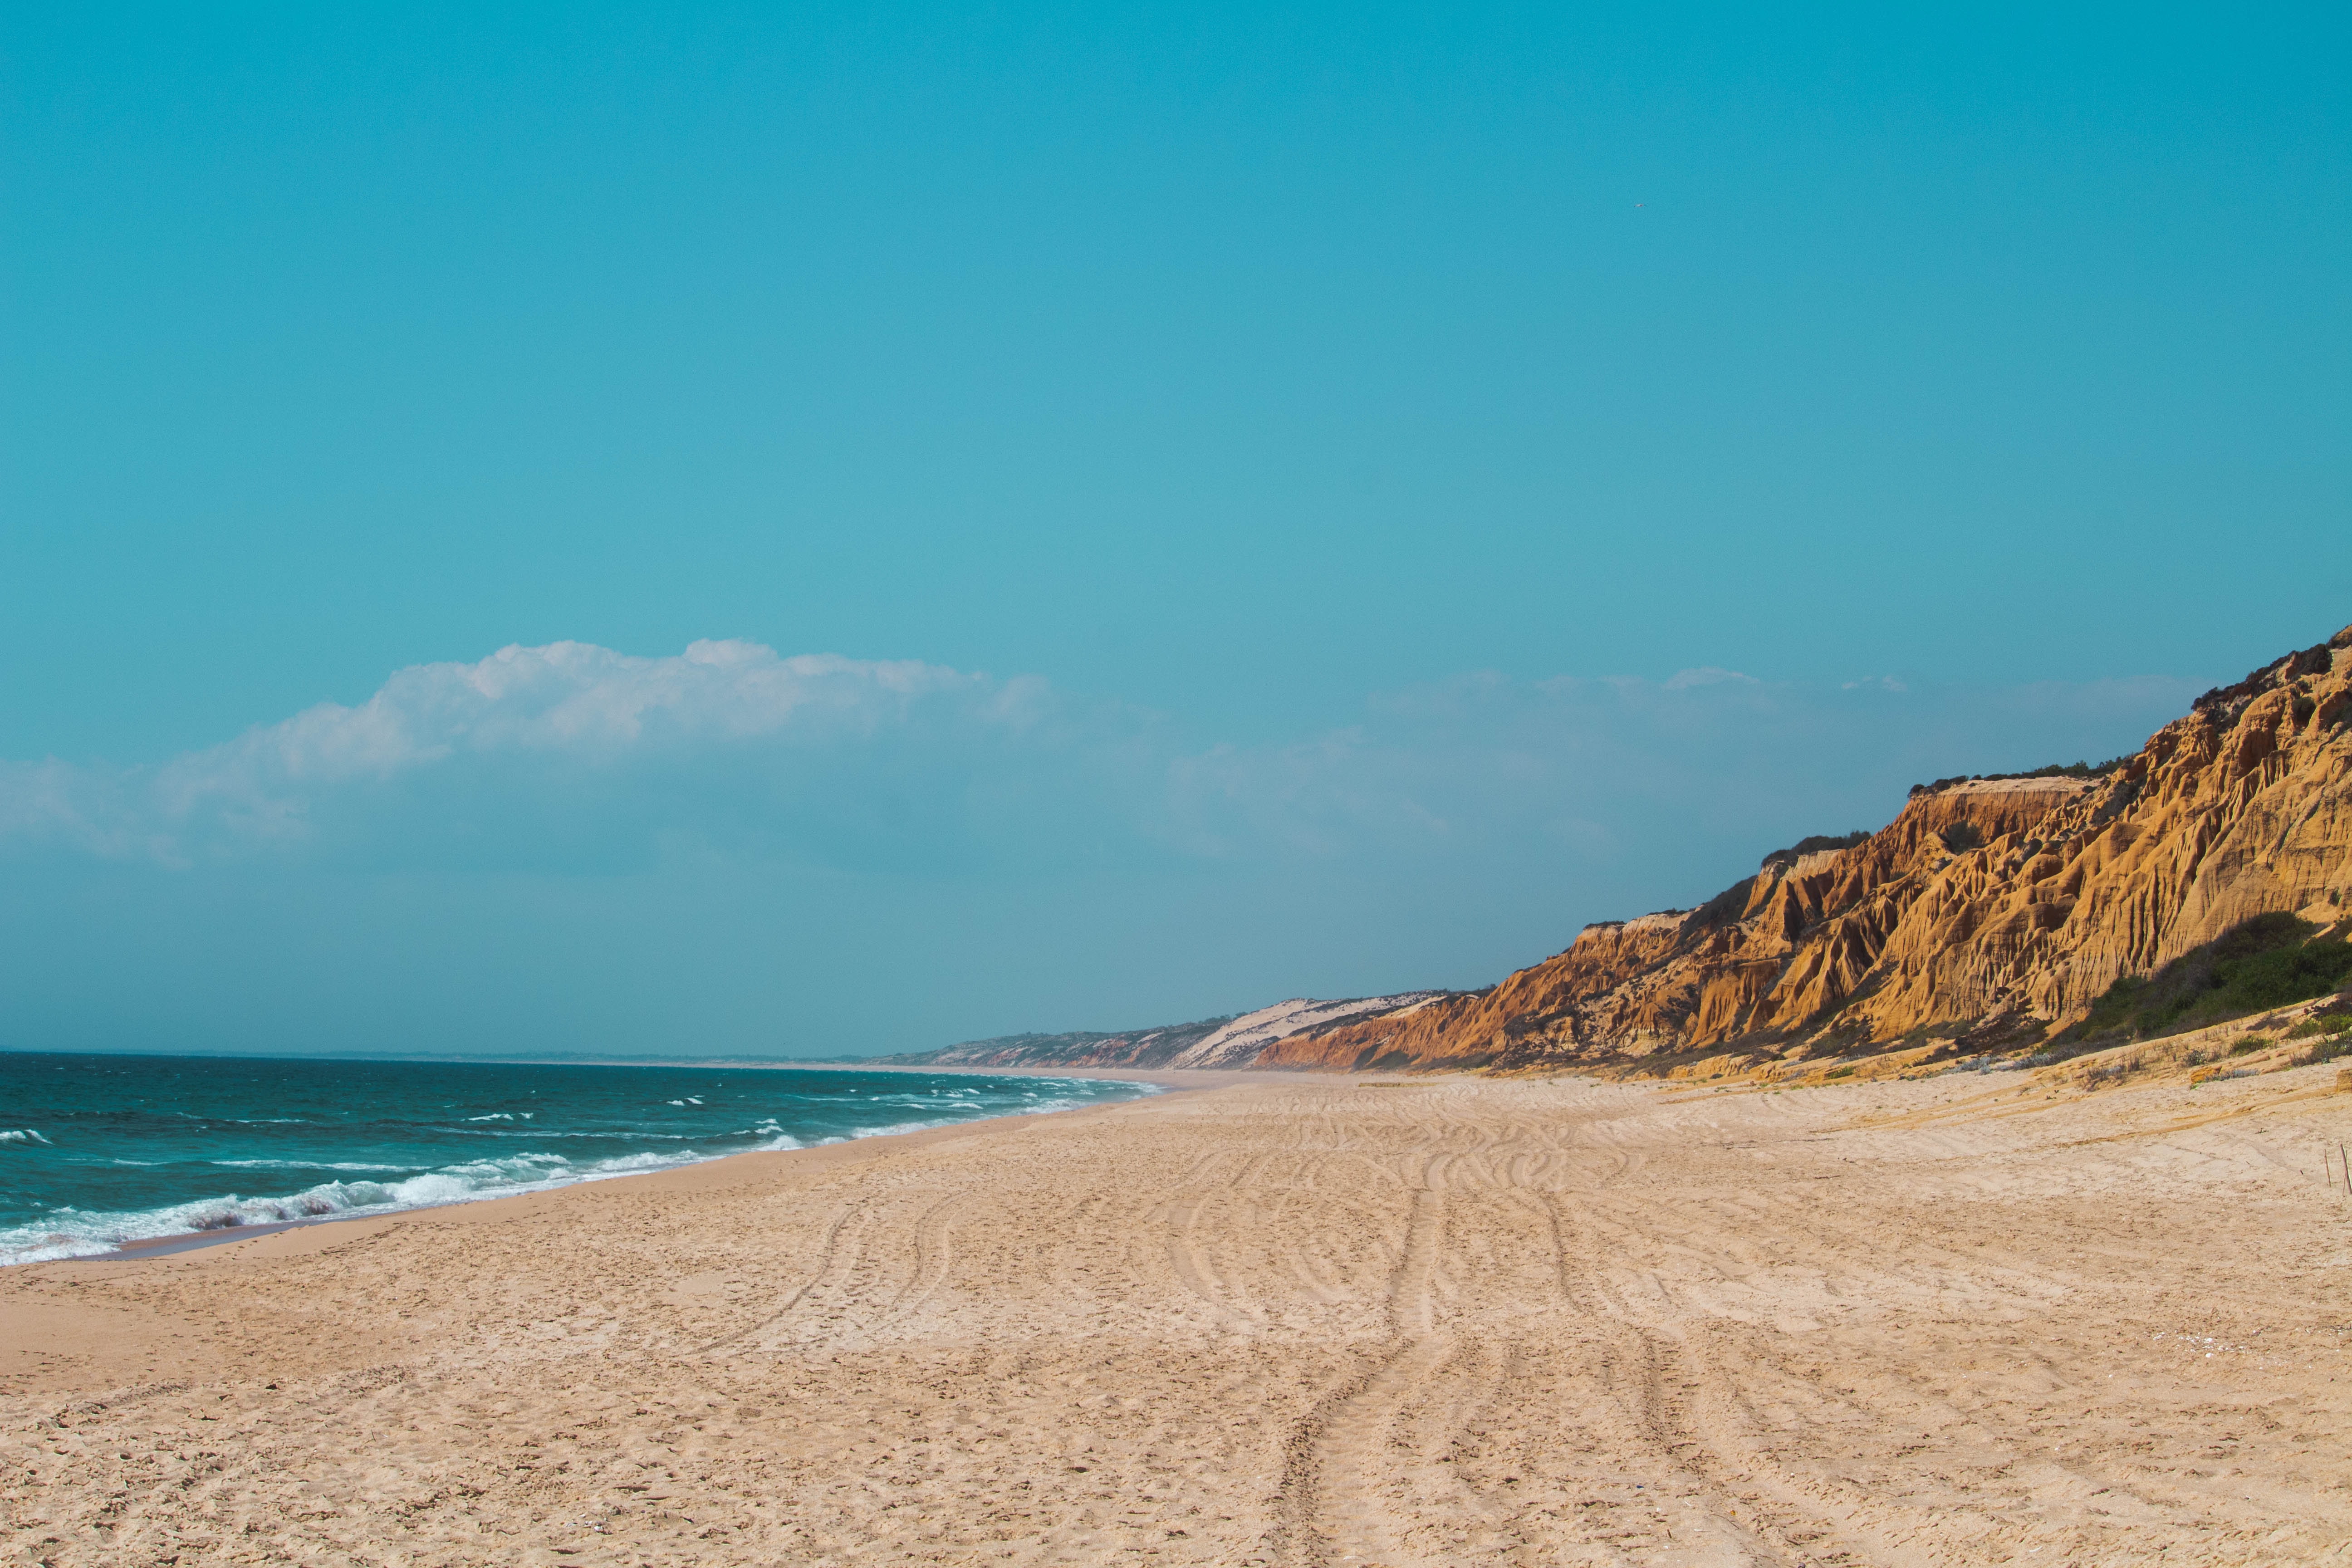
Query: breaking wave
[68, 1232]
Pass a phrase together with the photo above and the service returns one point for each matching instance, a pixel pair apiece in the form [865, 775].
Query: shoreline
[181, 1242]
[1168, 1082]
[1288, 1320]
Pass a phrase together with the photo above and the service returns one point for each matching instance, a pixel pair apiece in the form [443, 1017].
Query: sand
[1288, 1321]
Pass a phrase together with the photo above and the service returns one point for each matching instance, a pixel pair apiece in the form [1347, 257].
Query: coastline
[181, 1242]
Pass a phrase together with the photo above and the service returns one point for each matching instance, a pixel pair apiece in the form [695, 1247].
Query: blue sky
[1176, 507]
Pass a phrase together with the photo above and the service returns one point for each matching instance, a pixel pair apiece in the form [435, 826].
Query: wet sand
[1279, 1320]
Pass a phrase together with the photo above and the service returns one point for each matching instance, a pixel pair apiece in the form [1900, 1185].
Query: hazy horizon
[497, 818]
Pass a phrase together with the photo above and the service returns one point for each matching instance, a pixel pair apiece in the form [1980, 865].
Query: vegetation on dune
[2268, 962]
[2055, 770]
[2313, 661]
[1819, 841]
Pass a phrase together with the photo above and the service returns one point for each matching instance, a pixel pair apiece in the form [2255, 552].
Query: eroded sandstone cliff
[1992, 908]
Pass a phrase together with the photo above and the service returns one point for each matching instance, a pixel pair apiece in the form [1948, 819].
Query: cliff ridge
[1989, 910]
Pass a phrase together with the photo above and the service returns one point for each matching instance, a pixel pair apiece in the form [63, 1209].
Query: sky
[761, 530]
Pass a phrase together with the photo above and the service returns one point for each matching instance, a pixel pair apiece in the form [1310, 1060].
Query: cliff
[1993, 909]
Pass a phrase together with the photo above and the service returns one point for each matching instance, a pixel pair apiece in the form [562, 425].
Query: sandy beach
[1270, 1320]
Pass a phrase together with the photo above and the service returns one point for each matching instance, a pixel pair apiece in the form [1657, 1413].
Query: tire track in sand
[1681, 1407]
[827, 1252]
[934, 1243]
[1339, 1461]
[1193, 1267]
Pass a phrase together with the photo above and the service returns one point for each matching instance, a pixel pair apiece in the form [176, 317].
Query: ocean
[100, 1150]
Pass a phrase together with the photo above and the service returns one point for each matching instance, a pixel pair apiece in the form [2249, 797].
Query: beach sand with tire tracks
[1273, 1320]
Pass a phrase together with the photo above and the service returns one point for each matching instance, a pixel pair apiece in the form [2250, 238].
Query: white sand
[1283, 1321]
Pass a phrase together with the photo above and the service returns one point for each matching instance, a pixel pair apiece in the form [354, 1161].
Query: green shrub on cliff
[2267, 961]
[2055, 770]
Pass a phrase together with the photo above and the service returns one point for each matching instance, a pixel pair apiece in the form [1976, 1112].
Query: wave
[606, 1134]
[307, 1165]
[76, 1233]
[21, 1135]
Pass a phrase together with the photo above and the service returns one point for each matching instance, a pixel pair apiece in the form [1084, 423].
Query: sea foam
[366, 1187]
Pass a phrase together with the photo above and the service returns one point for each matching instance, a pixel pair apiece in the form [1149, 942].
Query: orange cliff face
[1995, 905]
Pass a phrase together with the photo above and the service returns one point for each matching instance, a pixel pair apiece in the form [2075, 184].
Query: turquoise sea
[100, 1150]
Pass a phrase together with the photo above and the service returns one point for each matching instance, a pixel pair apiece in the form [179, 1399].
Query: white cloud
[589, 702]
[1706, 675]
[53, 802]
[568, 709]
[572, 757]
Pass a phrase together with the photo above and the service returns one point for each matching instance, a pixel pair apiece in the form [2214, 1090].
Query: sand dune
[1279, 1321]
